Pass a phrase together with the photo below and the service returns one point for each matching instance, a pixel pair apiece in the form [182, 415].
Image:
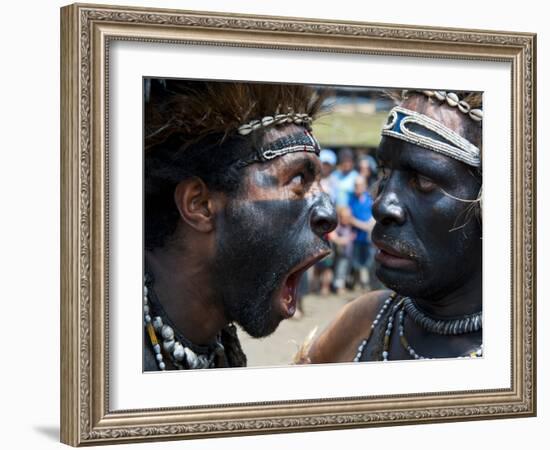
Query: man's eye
[423, 184]
[298, 179]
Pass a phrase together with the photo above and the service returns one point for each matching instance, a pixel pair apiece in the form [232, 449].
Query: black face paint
[429, 243]
[258, 244]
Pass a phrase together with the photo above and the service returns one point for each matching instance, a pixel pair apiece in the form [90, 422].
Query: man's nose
[387, 208]
[323, 217]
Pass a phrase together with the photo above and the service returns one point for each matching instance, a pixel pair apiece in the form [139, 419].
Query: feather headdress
[195, 110]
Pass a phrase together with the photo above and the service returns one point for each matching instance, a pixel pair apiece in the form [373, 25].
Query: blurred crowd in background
[350, 183]
[349, 135]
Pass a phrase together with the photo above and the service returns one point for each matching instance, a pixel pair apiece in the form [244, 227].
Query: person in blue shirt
[360, 204]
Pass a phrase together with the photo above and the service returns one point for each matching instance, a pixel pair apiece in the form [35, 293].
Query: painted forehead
[395, 153]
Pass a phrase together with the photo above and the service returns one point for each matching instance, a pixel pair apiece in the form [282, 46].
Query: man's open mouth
[393, 256]
[289, 292]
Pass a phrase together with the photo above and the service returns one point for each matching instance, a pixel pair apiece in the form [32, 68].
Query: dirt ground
[279, 348]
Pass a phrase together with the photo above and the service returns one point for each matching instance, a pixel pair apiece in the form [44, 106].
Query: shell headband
[278, 119]
[450, 144]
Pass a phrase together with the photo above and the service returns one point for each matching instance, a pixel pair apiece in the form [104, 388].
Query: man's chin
[260, 330]
[403, 282]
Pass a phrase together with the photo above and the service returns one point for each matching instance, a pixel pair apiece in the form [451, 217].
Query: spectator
[344, 177]
[368, 170]
[328, 163]
[360, 203]
[342, 237]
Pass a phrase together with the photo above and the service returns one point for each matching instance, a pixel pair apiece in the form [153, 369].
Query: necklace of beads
[375, 322]
[163, 337]
[407, 346]
[462, 325]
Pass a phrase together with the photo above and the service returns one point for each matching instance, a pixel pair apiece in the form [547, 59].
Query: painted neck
[182, 283]
[465, 300]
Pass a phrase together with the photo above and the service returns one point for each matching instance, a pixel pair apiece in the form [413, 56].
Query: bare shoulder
[365, 308]
[339, 341]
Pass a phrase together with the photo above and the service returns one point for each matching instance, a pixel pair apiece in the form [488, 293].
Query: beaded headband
[298, 142]
[452, 144]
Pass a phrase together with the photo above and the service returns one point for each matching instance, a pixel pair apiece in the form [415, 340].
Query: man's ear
[194, 202]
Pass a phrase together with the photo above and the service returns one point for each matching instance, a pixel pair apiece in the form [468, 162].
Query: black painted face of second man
[268, 236]
[427, 232]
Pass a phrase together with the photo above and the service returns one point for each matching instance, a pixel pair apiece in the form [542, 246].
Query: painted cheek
[278, 216]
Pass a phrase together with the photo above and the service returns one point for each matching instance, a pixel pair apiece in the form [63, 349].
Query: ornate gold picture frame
[87, 35]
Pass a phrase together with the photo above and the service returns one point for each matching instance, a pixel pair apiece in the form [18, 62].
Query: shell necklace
[449, 327]
[178, 349]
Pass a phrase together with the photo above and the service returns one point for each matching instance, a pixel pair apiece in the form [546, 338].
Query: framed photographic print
[278, 225]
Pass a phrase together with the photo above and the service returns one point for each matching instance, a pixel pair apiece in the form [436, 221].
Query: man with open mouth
[428, 239]
[234, 215]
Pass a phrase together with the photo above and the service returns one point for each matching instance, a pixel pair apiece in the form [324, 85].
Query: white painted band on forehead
[298, 142]
[455, 146]
[305, 143]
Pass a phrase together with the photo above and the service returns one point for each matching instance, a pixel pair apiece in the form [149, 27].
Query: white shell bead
[476, 114]
[440, 95]
[464, 106]
[178, 352]
[167, 333]
[159, 357]
[267, 120]
[245, 129]
[162, 366]
[191, 358]
[157, 323]
[452, 99]
[168, 345]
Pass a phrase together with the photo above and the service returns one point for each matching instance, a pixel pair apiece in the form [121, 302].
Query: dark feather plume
[196, 109]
